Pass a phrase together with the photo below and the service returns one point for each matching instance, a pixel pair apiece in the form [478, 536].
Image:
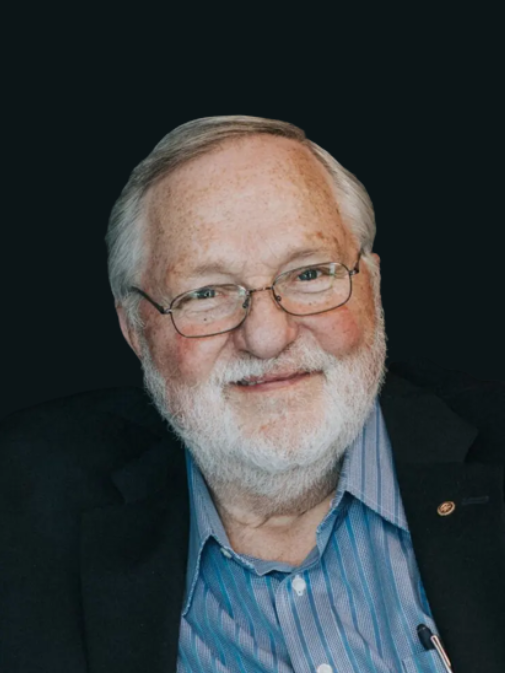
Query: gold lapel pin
[446, 508]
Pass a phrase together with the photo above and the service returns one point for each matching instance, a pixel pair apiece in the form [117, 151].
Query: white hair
[126, 240]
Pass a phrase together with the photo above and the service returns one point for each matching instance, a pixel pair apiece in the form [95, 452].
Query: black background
[410, 104]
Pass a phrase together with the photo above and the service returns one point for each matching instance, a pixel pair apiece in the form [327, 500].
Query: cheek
[340, 333]
[188, 360]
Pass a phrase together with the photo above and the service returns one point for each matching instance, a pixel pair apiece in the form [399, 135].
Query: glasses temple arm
[159, 307]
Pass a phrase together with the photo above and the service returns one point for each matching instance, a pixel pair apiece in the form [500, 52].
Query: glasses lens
[314, 289]
[209, 310]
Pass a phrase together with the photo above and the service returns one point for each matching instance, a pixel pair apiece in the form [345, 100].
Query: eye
[204, 293]
[310, 274]
[197, 297]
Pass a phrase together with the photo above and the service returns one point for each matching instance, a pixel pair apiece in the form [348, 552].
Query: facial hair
[285, 457]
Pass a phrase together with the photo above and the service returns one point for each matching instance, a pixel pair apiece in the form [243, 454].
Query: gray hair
[125, 237]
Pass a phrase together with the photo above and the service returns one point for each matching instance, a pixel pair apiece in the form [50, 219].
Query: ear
[129, 333]
[376, 258]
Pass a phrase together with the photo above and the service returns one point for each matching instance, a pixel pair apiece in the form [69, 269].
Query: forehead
[246, 203]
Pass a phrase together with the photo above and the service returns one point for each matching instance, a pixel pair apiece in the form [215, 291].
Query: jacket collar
[421, 427]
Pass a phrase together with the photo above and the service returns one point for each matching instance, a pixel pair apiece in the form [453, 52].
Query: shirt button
[300, 586]
[324, 668]
[225, 552]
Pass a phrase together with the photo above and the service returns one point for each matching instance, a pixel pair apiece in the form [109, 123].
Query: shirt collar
[204, 524]
[367, 473]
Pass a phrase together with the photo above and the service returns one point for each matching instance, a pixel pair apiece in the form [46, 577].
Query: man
[302, 510]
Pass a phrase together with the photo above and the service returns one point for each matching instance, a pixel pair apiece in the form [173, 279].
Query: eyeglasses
[216, 309]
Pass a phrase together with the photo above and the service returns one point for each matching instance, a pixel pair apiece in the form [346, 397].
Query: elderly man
[301, 510]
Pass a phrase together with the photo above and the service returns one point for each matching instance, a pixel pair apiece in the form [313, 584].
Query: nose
[267, 330]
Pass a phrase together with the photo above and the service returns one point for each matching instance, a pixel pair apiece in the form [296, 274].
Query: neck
[273, 530]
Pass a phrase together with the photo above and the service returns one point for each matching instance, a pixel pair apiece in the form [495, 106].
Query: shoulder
[69, 445]
[91, 413]
[479, 402]
[475, 398]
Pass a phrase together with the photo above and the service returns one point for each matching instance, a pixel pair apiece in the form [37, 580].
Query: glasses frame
[168, 310]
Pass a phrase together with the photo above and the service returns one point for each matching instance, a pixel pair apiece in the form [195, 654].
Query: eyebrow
[220, 266]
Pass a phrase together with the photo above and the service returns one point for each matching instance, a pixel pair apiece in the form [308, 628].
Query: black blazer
[94, 525]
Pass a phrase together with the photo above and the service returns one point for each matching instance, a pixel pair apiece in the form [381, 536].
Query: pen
[432, 642]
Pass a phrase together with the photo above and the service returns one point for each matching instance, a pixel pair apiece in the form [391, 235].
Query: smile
[271, 383]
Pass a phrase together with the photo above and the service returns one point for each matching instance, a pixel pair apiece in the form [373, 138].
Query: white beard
[285, 455]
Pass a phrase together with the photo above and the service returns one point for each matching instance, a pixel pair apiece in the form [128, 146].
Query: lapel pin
[446, 508]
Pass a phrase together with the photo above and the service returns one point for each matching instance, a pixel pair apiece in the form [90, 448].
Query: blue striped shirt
[352, 606]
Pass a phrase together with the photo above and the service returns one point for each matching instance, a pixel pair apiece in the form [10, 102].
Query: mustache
[303, 358]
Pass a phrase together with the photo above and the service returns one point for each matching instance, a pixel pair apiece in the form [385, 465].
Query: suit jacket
[94, 525]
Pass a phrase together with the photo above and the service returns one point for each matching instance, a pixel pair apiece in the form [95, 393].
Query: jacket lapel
[461, 556]
[133, 565]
